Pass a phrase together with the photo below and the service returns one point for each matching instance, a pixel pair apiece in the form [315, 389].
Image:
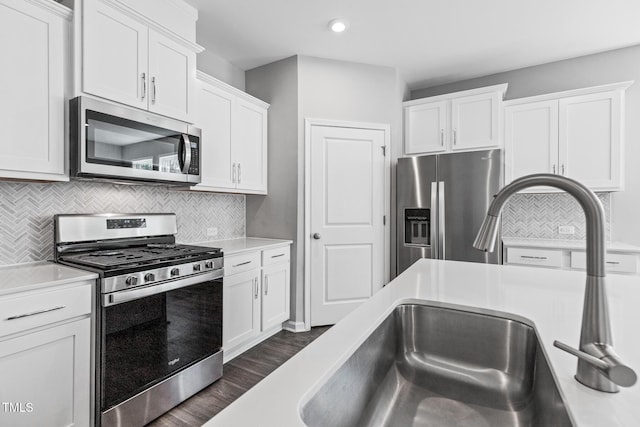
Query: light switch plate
[212, 232]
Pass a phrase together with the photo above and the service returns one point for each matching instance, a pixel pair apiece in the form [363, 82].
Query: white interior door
[347, 176]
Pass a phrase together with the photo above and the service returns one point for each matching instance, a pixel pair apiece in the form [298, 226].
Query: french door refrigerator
[441, 202]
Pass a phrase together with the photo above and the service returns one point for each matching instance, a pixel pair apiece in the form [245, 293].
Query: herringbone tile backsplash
[538, 216]
[27, 209]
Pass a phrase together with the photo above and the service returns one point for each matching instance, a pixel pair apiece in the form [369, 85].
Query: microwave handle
[185, 143]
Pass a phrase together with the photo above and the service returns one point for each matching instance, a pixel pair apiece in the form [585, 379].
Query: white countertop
[551, 299]
[36, 275]
[244, 244]
[565, 244]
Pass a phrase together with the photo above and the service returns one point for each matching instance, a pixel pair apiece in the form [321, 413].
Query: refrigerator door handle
[441, 225]
[433, 220]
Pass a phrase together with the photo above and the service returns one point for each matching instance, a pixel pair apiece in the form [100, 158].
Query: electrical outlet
[212, 232]
[566, 229]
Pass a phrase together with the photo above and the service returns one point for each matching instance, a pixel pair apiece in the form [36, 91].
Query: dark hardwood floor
[240, 375]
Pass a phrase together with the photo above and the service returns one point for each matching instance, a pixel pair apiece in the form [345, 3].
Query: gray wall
[592, 70]
[321, 89]
[276, 214]
[218, 67]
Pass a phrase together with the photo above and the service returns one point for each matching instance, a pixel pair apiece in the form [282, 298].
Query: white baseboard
[292, 326]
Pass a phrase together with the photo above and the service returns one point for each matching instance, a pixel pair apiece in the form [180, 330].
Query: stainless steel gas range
[158, 311]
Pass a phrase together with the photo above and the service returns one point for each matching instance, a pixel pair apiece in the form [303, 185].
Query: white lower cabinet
[567, 259]
[256, 292]
[45, 358]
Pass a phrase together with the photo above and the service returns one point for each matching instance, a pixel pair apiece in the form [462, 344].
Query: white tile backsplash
[27, 209]
[538, 216]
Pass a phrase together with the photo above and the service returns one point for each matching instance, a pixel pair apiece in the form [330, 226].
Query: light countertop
[37, 275]
[244, 244]
[565, 244]
[551, 299]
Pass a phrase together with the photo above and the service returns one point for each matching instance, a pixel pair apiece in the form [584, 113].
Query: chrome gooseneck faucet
[599, 367]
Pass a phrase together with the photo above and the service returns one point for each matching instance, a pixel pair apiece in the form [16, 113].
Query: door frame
[308, 124]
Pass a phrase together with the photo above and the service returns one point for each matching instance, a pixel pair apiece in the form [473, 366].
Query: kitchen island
[551, 299]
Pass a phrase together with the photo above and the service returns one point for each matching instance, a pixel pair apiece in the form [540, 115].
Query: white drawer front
[20, 313]
[540, 257]
[275, 255]
[234, 264]
[616, 263]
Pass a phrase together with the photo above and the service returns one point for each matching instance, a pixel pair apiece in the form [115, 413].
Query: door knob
[316, 236]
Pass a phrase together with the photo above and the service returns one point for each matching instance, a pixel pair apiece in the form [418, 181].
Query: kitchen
[298, 87]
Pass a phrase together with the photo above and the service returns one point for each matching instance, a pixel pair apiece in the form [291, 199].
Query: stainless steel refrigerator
[441, 202]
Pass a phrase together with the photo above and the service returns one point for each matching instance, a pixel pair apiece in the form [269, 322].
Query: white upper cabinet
[128, 59]
[460, 121]
[34, 52]
[234, 138]
[577, 134]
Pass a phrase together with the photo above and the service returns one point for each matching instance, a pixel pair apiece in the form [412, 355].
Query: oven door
[149, 334]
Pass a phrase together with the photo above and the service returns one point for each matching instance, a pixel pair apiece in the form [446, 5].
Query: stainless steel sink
[435, 366]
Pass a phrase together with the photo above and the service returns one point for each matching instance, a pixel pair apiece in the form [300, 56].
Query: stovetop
[148, 255]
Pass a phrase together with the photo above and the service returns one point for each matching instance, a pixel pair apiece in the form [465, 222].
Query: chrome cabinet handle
[613, 262]
[266, 284]
[277, 256]
[243, 263]
[442, 136]
[144, 85]
[33, 313]
[563, 169]
[255, 287]
[239, 174]
[316, 236]
[233, 174]
[554, 168]
[153, 90]
[533, 257]
[455, 139]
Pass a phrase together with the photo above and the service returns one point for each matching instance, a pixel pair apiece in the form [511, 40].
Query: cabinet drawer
[275, 255]
[19, 313]
[617, 263]
[242, 262]
[539, 257]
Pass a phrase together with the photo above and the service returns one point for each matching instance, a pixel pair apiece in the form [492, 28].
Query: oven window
[147, 340]
[121, 142]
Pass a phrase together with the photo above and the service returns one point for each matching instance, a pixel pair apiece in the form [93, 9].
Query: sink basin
[435, 366]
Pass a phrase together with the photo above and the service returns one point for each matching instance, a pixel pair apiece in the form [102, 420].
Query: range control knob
[175, 272]
[196, 267]
[208, 264]
[149, 277]
[131, 281]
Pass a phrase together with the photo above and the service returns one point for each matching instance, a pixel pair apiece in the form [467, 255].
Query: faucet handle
[609, 364]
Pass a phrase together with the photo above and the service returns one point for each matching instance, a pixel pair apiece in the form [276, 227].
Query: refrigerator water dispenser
[417, 230]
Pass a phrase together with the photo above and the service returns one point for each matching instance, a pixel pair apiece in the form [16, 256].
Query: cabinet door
[213, 116]
[475, 121]
[32, 88]
[425, 128]
[530, 139]
[275, 295]
[241, 308]
[114, 55]
[590, 139]
[249, 145]
[46, 377]
[172, 73]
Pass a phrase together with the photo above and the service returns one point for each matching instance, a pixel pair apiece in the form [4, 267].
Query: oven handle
[134, 294]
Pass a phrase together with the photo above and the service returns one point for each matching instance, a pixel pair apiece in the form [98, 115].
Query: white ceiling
[430, 42]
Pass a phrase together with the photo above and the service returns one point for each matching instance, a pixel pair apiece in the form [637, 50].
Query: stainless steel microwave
[118, 143]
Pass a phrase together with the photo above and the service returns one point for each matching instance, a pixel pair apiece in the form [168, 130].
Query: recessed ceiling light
[337, 25]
